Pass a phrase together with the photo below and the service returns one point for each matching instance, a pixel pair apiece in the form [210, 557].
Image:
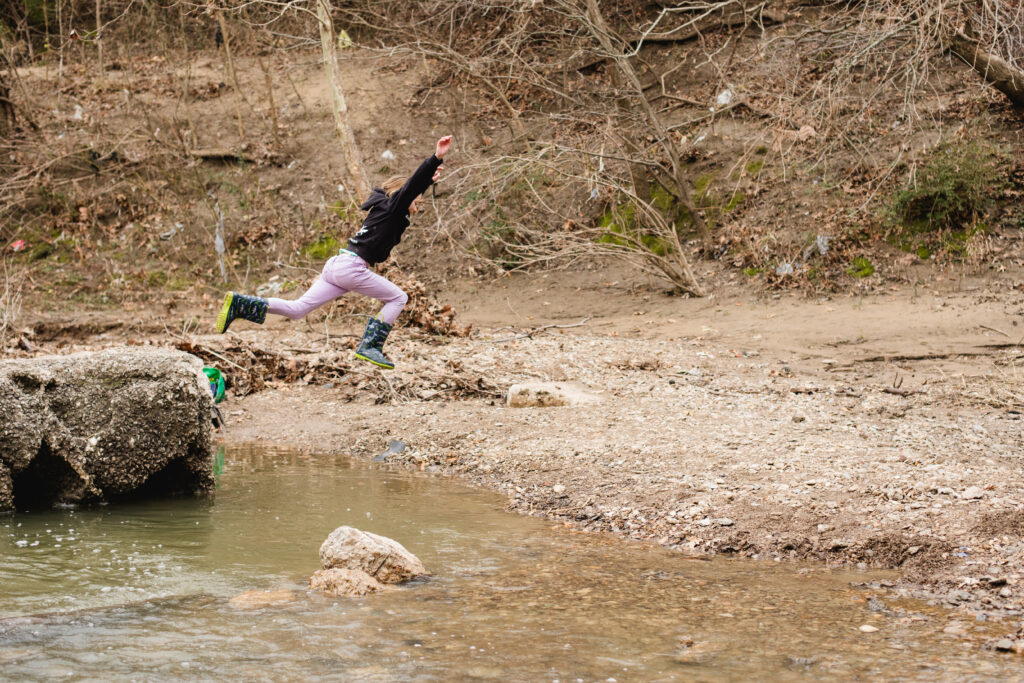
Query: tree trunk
[99, 38]
[6, 109]
[999, 73]
[270, 99]
[338, 106]
[232, 74]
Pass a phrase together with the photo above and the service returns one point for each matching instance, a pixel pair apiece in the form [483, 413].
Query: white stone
[973, 493]
[549, 394]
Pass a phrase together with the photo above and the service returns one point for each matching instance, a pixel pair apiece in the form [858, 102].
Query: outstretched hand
[437, 173]
[443, 145]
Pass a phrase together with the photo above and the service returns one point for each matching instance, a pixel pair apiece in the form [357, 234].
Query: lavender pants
[342, 274]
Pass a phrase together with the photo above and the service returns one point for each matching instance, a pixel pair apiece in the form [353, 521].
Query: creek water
[143, 591]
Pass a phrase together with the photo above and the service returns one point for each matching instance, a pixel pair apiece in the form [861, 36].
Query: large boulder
[94, 426]
[379, 558]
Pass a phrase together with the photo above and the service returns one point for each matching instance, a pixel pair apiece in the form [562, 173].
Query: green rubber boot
[371, 348]
[251, 308]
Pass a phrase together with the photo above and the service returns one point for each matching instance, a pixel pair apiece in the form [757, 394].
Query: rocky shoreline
[709, 451]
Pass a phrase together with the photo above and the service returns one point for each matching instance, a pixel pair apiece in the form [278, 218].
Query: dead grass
[1001, 388]
[10, 302]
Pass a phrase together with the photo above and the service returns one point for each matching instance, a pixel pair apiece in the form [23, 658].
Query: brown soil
[881, 430]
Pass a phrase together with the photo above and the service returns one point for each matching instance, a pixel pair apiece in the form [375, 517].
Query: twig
[992, 329]
[901, 392]
[217, 355]
[539, 329]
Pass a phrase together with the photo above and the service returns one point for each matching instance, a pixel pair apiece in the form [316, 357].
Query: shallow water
[142, 591]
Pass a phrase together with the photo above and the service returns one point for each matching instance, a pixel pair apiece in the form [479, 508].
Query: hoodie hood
[376, 198]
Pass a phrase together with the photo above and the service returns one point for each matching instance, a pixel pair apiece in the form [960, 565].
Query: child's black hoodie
[389, 216]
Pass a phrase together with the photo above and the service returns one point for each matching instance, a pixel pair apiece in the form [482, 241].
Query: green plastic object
[216, 383]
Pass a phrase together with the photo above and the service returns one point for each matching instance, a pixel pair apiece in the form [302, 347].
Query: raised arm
[419, 181]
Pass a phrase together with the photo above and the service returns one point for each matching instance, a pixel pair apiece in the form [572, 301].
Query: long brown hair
[392, 184]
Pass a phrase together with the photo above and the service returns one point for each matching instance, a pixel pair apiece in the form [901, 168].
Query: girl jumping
[389, 208]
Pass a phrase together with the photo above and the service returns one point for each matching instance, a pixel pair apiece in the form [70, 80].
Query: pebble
[867, 628]
[1004, 644]
[973, 493]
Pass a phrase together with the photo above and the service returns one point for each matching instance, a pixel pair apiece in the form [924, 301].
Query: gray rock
[382, 558]
[91, 426]
[394, 448]
[1003, 644]
[549, 394]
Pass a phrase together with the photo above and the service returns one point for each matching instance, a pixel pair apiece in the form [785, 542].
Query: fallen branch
[227, 155]
[535, 330]
[693, 29]
[997, 72]
[902, 392]
[922, 356]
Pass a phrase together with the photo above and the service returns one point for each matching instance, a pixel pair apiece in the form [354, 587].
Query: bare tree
[338, 105]
[529, 58]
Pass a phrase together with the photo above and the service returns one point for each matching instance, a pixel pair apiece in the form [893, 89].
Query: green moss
[754, 167]
[702, 183]
[662, 198]
[178, 284]
[735, 200]
[751, 271]
[346, 211]
[621, 220]
[617, 217]
[41, 251]
[924, 252]
[860, 268]
[157, 278]
[762, 150]
[325, 247]
[70, 280]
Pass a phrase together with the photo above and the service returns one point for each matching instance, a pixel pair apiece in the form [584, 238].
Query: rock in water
[344, 582]
[381, 558]
[549, 394]
[260, 599]
[92, 426]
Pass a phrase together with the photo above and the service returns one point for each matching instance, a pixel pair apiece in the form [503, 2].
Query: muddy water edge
[146, 589]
